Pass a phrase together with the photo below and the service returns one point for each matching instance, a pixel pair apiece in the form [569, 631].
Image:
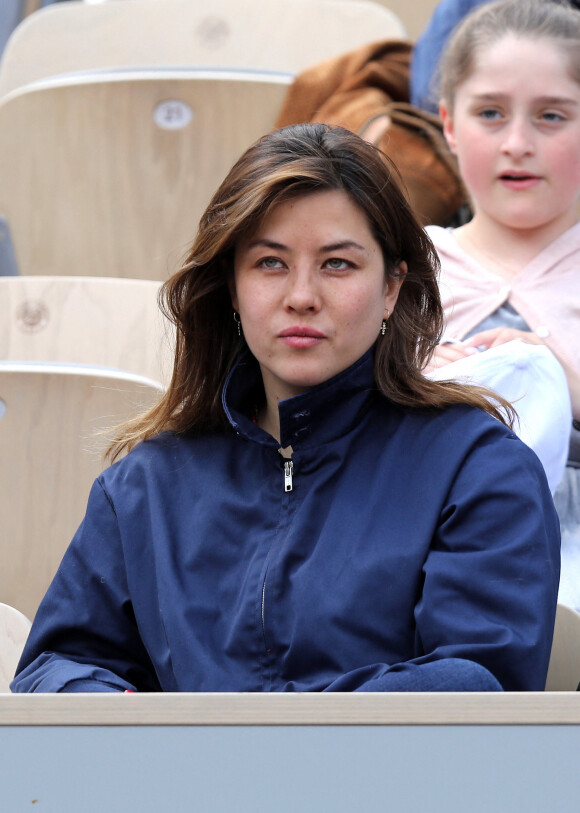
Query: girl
[510, 89]
[304, 510]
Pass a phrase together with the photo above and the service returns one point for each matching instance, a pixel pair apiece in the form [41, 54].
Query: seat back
[279, 35]
[120, 167]
[414, 16]
[564, 670]
[14, 629]
[51, 417]
[85, 320]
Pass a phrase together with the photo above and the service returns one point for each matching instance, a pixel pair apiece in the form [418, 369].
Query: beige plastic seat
[14, 629]
[86, 320]
[109, 175]
[564, 671]
[414, 15]
[50, 417]
[122, 159]
[278, 35]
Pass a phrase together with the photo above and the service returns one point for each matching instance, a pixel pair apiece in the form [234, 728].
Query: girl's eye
[336, 264]
[552, 117]
[489, 114]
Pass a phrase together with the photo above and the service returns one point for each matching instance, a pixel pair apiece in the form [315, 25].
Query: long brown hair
[295, 161]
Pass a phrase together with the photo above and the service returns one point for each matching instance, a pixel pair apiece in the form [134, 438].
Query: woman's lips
[301, 336]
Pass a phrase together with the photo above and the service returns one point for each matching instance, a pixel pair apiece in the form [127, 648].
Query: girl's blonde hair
[530, 19]
[295, 161]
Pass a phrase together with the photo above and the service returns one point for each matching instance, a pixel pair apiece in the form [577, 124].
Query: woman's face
[515, 128]
[311, 291]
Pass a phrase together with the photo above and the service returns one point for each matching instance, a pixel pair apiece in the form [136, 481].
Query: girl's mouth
[519, 180]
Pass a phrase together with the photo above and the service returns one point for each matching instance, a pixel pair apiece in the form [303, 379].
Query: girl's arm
[448, 351]
[501, 335]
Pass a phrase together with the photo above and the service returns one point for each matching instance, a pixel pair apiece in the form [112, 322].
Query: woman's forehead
[332, 210]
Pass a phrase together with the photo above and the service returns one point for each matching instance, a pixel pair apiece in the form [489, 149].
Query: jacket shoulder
[163, 453]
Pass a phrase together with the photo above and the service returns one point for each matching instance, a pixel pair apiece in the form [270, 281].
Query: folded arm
[84, 636]
[485, 617]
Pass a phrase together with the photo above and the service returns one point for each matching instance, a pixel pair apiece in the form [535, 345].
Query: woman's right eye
[270, 262]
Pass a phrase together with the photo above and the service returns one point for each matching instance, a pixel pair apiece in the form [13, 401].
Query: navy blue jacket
[407, 537]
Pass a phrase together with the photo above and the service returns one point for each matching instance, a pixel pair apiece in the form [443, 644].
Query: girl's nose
[518, 139]
[302, 293]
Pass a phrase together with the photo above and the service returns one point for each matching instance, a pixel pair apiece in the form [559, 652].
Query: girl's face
[311, 291]
[515, 128]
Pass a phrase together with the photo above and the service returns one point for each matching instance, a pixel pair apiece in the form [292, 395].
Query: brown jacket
[367, 91]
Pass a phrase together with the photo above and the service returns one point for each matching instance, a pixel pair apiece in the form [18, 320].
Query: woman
[304, 511]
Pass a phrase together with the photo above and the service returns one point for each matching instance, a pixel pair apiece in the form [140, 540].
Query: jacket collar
[320, 415]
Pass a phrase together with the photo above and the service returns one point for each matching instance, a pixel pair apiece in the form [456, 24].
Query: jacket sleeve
[490, 581]
[84, 636]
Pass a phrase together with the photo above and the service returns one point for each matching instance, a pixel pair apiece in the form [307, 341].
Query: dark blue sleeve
[84, 636]
[490, 580]
[429, 47]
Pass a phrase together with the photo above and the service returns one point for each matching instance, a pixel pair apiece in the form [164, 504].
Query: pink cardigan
[546, 293]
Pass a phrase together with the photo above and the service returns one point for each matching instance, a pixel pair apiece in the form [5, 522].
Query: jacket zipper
[288, 471]
[264, 609]
[288, 485]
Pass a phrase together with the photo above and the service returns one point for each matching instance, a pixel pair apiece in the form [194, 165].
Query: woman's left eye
[337, 264]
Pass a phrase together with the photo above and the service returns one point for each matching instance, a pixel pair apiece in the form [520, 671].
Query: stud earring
[238, 322]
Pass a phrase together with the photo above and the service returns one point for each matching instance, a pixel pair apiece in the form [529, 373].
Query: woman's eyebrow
[341, 245]
[263, 242]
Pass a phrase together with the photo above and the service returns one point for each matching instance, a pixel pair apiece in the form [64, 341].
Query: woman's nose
[302, 293]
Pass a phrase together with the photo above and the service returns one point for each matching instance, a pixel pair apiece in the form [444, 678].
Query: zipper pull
[288, 469]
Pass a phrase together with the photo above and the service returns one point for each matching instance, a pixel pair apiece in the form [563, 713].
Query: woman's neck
[270, 423]
[268, 419]
[502, 249]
